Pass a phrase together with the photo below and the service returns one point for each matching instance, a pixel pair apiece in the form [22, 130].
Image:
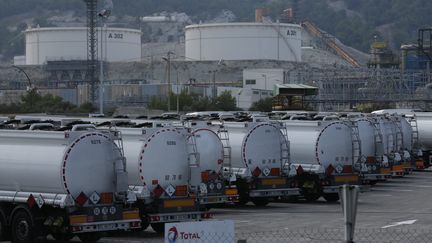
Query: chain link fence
[323, 235]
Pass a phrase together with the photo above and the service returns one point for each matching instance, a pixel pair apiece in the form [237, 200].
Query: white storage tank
[257, 145]
[316, 143]
[58, 162]
[243, 41]
[53, 44]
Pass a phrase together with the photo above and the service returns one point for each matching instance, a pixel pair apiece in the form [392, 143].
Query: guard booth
[292, 96]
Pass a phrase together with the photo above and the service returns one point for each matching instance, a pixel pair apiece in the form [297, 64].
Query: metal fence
[362, 235]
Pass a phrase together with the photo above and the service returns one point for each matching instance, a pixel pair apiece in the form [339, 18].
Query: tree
[265, 105]
[226, 102]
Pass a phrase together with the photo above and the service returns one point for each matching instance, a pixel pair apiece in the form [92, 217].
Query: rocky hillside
[356, 23]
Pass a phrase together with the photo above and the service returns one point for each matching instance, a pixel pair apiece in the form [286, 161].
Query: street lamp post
[265, 81]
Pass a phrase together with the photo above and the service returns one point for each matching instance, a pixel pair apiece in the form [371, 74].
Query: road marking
[392, 190]
[407, 222]
[243, 221]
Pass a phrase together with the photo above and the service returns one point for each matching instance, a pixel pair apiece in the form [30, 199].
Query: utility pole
[178, 93]
[91, 46]
[168, 60]
[214, 85]
[101, 74]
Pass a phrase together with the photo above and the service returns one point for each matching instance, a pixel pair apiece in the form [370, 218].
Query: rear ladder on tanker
[284, 150]
[355, 143]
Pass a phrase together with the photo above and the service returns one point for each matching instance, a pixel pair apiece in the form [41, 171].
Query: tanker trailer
[422, 138]
[370, 162]
[406, 142]
[324, 154]
[160, 161]
[48, 185]
[212, 143]
[260, 161]
[393, 145]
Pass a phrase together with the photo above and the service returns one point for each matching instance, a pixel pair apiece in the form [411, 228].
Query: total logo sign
[198, 232]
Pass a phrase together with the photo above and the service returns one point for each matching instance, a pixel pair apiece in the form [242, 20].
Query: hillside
[354, 22]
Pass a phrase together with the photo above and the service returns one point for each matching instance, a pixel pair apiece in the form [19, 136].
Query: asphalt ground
[396, 204]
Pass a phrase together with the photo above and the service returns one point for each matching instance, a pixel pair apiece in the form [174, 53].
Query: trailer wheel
[311, 190]
[22, 228]
[1, 229]
[62, 237]
[331, 197]
[373, 183]
[89, 237]
[2, 225]
[311, 197]
[260, 201]
[158, 227]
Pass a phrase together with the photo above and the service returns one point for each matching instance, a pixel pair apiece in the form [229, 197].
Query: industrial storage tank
[318, 143]
[59, 162]
[243, 41]
[70, 43]
[257, 145]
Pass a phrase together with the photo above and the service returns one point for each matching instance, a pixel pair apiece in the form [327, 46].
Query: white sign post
[200, 232]
[349, 197]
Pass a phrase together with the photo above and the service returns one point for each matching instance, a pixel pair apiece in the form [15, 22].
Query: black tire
[242, 200]
[311, 197]
[144, 226]
[1, 229]
[312, 192]
[290, 199]
[22, 228]
[158, 227]
[373, 183]
[62, 237]
[331, 197]
[260, 201]
[243, 191]
[90, 237]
